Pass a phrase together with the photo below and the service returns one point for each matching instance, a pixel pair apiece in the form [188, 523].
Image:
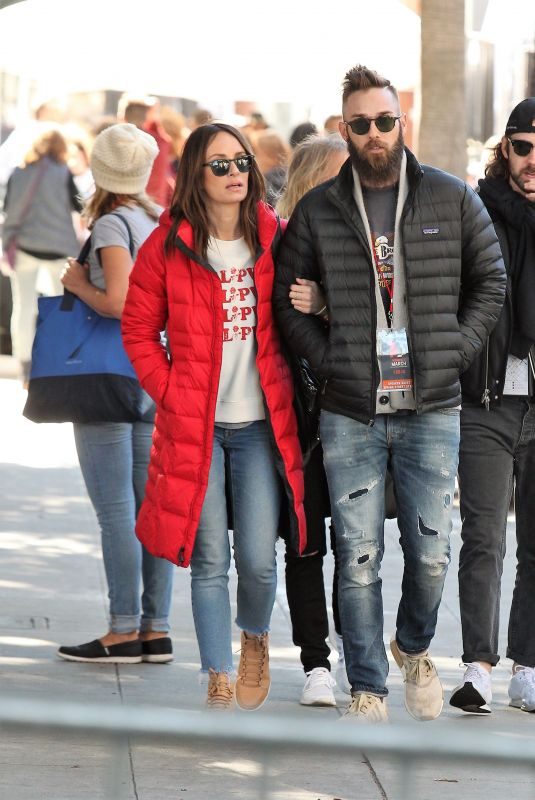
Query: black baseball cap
[522, 119]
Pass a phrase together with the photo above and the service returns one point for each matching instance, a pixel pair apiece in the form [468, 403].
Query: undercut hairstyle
[360, 78]
[189, 199]
[497, 165]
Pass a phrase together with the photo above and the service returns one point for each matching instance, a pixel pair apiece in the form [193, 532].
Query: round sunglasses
[521, 147]
[361, 125]
[221, 166]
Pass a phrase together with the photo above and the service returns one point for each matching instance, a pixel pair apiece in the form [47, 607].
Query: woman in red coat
[226, 433]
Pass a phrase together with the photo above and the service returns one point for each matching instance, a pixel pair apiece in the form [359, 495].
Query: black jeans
[305, 588]
[497, 452]
[305, 591]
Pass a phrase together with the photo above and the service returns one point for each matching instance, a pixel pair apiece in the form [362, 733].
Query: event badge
[394, 360]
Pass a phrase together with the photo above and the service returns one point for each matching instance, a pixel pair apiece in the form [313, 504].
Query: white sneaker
[424, 696]
[337, 643]
[522, 689]
[366, 708]
[474, 693]
[318, 688]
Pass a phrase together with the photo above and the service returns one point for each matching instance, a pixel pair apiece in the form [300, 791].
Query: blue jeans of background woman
[242, 472]
[114, 458]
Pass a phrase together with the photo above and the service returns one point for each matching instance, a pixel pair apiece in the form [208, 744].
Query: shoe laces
[320, 676]
[419, 668]
[253, 656]
[219, 690]
[475, 672]
[362, 703]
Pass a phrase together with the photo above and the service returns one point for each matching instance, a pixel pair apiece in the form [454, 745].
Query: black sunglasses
[221, 166]
[361, 125]
[521, 147]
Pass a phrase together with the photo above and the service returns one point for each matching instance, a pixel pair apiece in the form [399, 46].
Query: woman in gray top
[40, 199]
[114, 456]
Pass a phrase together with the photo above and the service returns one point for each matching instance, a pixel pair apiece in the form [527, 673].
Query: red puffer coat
[182, 293]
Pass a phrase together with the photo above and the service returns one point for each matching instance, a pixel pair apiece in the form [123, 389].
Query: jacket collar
[268, 224]
[342, 186]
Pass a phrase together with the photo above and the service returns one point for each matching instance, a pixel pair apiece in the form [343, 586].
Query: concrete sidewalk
[53, 592]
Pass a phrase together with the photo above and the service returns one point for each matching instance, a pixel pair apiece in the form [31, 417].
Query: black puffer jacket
[455, 281]
[484, 380]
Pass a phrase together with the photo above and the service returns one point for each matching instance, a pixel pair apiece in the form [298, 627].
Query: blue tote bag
[80, 371]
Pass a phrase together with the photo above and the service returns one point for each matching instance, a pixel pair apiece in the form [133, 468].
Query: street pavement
[53, 592]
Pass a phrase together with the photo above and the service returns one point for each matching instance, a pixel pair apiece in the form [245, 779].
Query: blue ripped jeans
[423, 450]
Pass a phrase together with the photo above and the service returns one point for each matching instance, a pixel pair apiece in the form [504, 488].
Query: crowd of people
[324, 331]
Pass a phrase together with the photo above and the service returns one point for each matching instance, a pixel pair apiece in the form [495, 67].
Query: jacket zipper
[409, 200]
[375, 370]
[485, 397]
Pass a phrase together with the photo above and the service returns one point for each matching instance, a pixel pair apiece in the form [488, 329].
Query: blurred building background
[469, 59]
[460, 66]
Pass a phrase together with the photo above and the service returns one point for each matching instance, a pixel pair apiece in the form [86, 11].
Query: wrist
[321, 312]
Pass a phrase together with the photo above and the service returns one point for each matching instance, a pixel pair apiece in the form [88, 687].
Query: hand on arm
[307, 297]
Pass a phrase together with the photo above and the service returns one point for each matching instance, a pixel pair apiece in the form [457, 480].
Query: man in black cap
[497, 448]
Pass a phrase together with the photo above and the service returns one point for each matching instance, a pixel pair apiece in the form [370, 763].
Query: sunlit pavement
[53, 591]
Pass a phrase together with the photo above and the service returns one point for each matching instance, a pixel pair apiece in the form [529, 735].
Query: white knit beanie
[122, 158]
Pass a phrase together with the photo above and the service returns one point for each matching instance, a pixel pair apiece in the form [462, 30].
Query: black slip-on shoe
[467, 698]
[157, 651]
[474, 694]
[96, 653]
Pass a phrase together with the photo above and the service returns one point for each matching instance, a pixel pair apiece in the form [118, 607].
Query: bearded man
[413, 282]
[497, 454]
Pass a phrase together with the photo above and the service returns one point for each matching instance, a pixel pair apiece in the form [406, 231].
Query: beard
[377, 170]
[521, 177]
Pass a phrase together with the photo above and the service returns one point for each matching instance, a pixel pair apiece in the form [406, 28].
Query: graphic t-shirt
[380, 207]
[239, 396]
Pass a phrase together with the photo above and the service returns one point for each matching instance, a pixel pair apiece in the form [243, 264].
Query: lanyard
[389, 288]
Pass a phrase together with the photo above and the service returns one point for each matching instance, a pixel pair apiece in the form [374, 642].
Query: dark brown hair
[189, 202]
[360, 78]
[497, 165]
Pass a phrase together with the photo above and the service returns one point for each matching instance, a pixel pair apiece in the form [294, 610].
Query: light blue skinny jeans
[423, 450]
[243, 458]
[114, 458]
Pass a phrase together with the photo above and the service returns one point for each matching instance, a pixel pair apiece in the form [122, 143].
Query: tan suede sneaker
[252, 685]
[424, 696]
[220, 691]
[365, 708]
